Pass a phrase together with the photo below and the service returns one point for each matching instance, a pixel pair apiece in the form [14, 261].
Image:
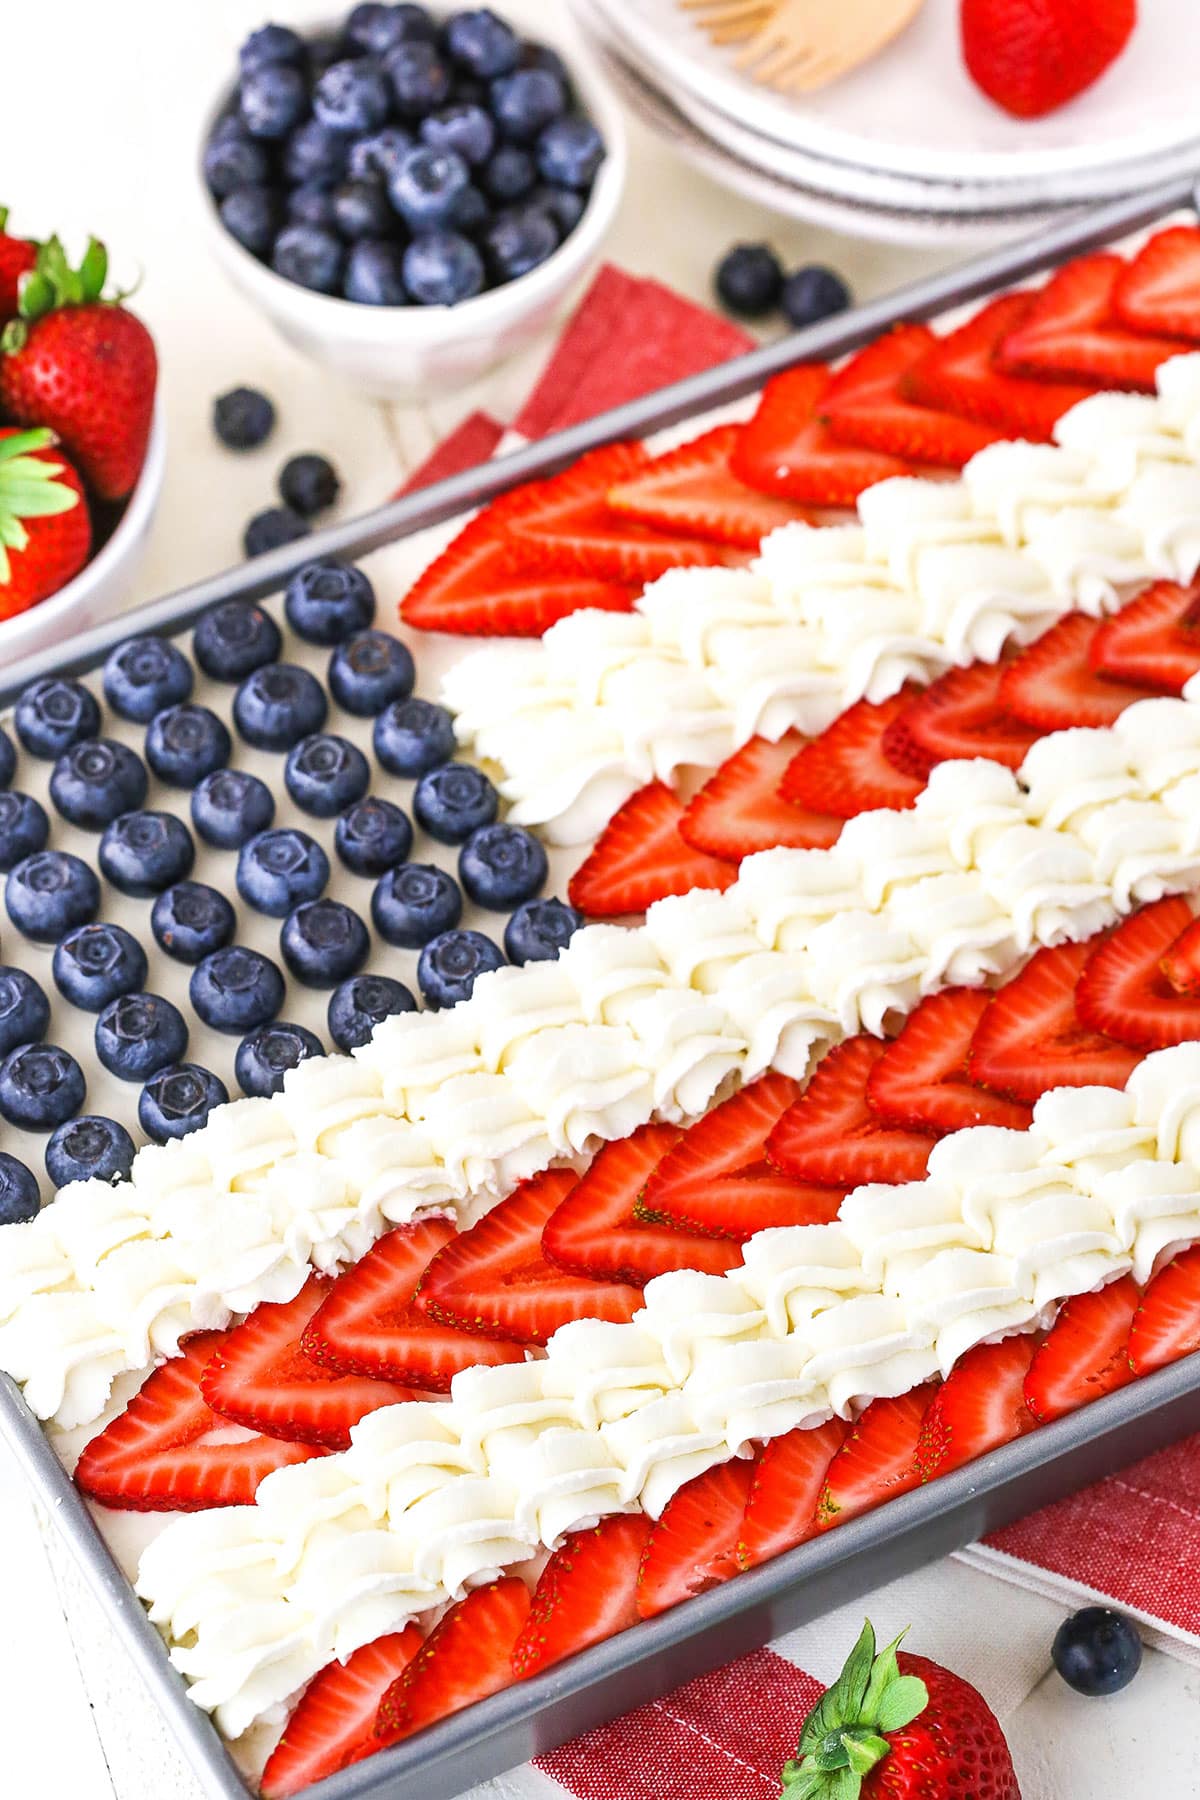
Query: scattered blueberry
[442, 268]
[569, 152]
[378, 154]
[191, 920]
[420, 79]
[95, 964]
[270, 44]
[229, 807]
[482, 43]
[8, 759]
[314, 152]
[234, 160]
[312, 204]
[178, 1100]
[90, 1148]
[41, 1086]
[95, 781]
[53, 714]
[235, 989]
[24, 1010]
[142, 853]
[501, 866]
[1097, 1651]
[235, 638]
[425, 185]
[360, 209]
[186, 743]
[279, 869]
[454, 800]
[309, 484]
[468, 130]
[377, 28]
[524, 103]
[749, 280]
[251, 215]
[24, 828]
[369, 672]
[50, 893]
[279, 704]
[352, 96]
[265, 1056]
[414, 903]
[812, 294]
[327, 601]
[510, 175]
[538, 930]
[324, 774]
[273, 97]
[413, 736]
[375, 273]
[449, 965]
[139, 1034]
[373, 836]
[271, 528]
[358, 1006]
[143, 675]
[310, 256]
[20, 1199]
[323, 942]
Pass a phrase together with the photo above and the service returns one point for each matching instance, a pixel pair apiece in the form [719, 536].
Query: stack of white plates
[907, 149]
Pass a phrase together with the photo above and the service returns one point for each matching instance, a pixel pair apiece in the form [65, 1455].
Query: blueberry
[468, 130]
[482, 43]
[138, 1034]
[191, 920]
[510, 175]
[143, 675]
[235, 638]
[309, 484]
[413, 736]
[24, 828]
[563, 206]
[20, 1200]
[449, 965]
[252, 216]
[90, 1148]
[519, 241]
[358, 1006]
[278, 705]
[278, 869]
[538, 930]
[324, 774]
[360, 209]
[8, 759]
[233, 160]
[95, 964]
[229, 807]
[265, 1056]
[324, 942]
[352, 96]
[273, 97]
[142, 853]
[454, 800]
[442, 268]
[271, 44]
[425, 185]
[323, 52]
[328, 601]
[235, 989]
[501, 866]
[1097, 1651]
[524, 103]
[420, 79]
[543, 56]
[186, 743]
[377, 28]
[24, 1010]
[375, 273]
[370, 672]
[378, 154]
[310, 256]
[50, 893]
[414, 903]
[312, 204]
[749, 280]
[53, 714]
[41, 1086]
[812, 294]
[178, 1100]
[95, 781]
[314, 152]
[471, 212]
[569, 152]
[373, 837]
[271, 529]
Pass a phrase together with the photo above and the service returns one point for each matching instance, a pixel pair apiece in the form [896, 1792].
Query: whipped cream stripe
[935, 573]
[433, 1498]
[447, 1112]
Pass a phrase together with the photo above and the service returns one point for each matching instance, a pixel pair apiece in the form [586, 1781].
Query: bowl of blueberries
[410, 197]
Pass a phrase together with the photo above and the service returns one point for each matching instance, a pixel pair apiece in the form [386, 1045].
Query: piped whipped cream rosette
[448, 1112]
[934, 574]
[434, 1498]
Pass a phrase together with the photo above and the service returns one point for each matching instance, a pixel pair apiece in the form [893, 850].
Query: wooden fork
[805, 44]
[731, 21]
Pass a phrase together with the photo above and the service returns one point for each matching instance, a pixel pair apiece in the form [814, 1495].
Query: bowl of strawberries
[82, 443]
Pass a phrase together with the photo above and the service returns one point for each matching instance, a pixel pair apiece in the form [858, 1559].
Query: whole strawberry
[45, 530]
[17, 257]
[1032, 56]
[900, 1728]
[83, 366]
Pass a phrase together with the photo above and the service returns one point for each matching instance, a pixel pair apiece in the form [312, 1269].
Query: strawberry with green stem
[45, 528]
[17, 257]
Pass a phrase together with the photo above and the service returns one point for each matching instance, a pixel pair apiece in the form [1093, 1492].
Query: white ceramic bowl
[393, 351]
[102, 584]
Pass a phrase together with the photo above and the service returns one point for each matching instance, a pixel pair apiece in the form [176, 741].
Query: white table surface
[98, 132]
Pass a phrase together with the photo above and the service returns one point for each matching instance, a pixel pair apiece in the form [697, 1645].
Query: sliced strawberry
[1123, 991]
[334, 1721]
[788, 1483]
[1085, 1353]
[641, 856]
[1154, 641]
[787, 449]
[1052, 685]
[1166, 1324]
[846, 770]
[920, 1083]
[466, 1657]
[694, 1546]
[740, 809]
[717, 1178]
[1070, 330]
[960, 715]
[878, 1459]
[260, 1377]
[1160, 290]
[1031, 1037]
[980, 1405]
[586, 1592]
[867, 404]
[1181, 963]
[959, 374]
[152, 1457]
[831, 1133]
[368, 1323]
[595, 1231]
[693, 489]
[494, 1278]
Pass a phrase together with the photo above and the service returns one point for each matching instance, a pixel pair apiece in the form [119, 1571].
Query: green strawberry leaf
[845, 1736]
[28, 490]
[905, 1700]
[93, 270]
[863, 1753]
